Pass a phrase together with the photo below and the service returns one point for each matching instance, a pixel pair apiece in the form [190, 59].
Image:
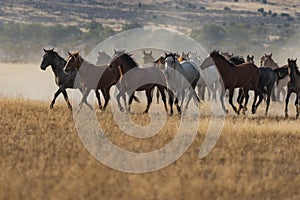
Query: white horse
[209, 76]
[181, 76]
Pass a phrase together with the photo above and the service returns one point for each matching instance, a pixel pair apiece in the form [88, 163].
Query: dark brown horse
[236, 76]
[135, 78]
[293, 86]
[93, 77]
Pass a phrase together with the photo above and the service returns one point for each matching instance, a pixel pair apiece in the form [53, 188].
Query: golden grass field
[42, 157]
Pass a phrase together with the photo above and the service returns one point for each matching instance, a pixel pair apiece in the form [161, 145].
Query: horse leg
[131, 95]
[270, 88]
[161, 89]
[240, 99]
[171, 97]
[84, 99]
[222, 95]
[231, 90]
[245, 91]
[106, 97]
[261, 97]
[121, 93]
[287, 102]
[201, 92]
[177, 106]
[60, 89]
[98, 98]
[297, 105]
[149, 99]
[67, 99]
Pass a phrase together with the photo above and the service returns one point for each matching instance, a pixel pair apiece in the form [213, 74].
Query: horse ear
[69, 53]
[45, 50]
[271, 54]
[288, 59]
[151, 53]
[296, 60]
[115, 50]
[144, 52]
[52, 49]
[76, 53]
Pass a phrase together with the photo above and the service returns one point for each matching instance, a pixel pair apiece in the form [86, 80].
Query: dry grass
[43, 158]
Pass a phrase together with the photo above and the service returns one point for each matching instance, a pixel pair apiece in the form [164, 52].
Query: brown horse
[267, 61]
[93, 77]
[293, 86]
[135, 78]
[236, 76]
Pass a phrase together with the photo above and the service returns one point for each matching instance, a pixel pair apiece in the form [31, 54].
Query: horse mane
[130, 59]
[223, 58]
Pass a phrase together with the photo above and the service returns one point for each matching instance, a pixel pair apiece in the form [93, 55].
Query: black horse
[266, 83]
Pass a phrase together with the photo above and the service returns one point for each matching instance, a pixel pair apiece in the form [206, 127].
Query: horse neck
[58, 66]
[295, 74]
[223, 68]
[271, 63]
[127, 65]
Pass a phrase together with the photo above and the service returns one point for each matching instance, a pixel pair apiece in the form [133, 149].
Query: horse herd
[176, 77]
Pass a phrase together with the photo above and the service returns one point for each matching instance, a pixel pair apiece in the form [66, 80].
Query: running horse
[135, 78]
[62, 79]
[293, 86]
[181, 76]
[93, 77]
[103, 58]
[236, 76]
[266, 83]
[267, 61]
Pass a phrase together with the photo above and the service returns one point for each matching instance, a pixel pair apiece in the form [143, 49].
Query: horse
[266, 83]
[181, 76]
[209, 76]
[62, 79]
[293, 86]
[103, 58]
[135, 78]
[93, 77]
[250, 58]
[147, 57]
[236, 76]
[267, 61]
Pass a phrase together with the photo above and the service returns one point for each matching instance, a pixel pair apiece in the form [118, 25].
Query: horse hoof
[286, 116]
[51, 106]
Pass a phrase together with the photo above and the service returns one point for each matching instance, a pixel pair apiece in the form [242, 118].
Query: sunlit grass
[256, 157]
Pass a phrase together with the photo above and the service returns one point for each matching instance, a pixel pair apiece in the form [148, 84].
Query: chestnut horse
[236, 76]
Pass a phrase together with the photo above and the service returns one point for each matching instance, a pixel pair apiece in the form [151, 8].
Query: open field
[42, 157]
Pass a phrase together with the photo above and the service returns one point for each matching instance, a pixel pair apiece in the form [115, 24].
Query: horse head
[250, 59]
[171, 60]
[74, 61]
[292, 64]
[48, 58]
[103, 58]
[148, 58]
